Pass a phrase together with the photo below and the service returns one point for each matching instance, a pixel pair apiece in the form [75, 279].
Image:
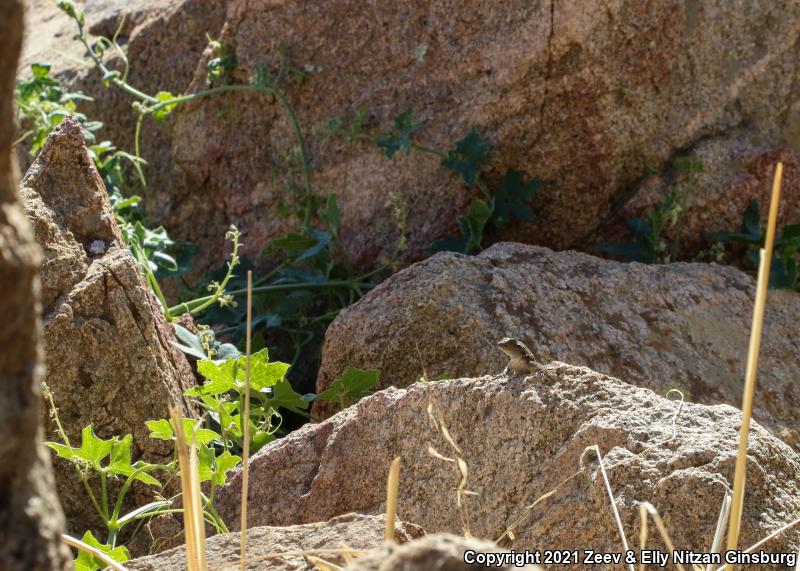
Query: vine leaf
[87, 562]
[353, 384]
[399, 138]
[465, 158]
[509, 200]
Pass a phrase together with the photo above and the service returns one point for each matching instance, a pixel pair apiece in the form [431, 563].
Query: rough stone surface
[442, 552]
[281, 548]
[108, 353]
[587, 96]
[684, 326]
[738, 168]
[31, 520]
[521, 438]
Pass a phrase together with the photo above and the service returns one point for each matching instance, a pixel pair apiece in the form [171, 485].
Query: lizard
[522, 360]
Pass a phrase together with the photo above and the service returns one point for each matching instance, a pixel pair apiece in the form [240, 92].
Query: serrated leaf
[162, 430]
[353, 384]
[399, 138]
[509, 200]
[331, 215]
[87, 562]
[473, 223]
[93, 450]
[465, 158]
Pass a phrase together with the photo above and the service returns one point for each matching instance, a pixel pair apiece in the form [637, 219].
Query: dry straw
[246, 426]
[193, 524]
[392, 489]
[752, 364]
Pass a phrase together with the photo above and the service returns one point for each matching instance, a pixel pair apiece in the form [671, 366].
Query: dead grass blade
[613, 503]
[752, 364]
[392, 490]
[193, 525]
[246, 426]
[645, 509]
[91, 550]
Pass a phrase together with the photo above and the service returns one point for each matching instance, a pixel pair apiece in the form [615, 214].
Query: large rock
[442, 552]
[31, 520]
[109, 359]
[284, 548]
[684, 326]
[737, 168]
[521, 438]
[587, 96]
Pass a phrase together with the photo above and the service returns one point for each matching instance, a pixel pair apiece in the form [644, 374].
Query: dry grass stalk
[193, 525]
[722, 523]
[613, 503]
[509, 531]
[246, 426]
[645, 509]
[93, 551]
[752, 364]
[392, 490]
[461, 489]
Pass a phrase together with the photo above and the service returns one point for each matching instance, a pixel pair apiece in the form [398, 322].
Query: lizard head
[511, 347]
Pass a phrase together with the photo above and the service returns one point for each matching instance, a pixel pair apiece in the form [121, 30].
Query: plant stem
[189, 306]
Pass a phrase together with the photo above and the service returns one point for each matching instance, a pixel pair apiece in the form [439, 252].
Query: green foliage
[399, 138]
[657, 236]
[352, 385]
[110, 457]
[510, 200]
[466, 157]
[494, 209]
[41, 105]
[87, 562]
[222, 396]
[784, 272]
[220, 68]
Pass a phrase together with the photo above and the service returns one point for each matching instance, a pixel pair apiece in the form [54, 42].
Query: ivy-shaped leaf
[162, 430]
[465, 158]
[87, 562]
[399, 138]
[215, 468]
[353, 384]
[473, 224]
[331, 215]
[509, 200]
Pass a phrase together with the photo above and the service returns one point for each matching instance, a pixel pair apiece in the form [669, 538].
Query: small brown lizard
[522, 360]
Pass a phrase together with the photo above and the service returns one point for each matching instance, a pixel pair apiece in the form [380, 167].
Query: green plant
[783, 271]
[495, 208]
[41, 104]
[222, 396]
[107, 460]
[352, 385]
[87, 562]
[657, 236]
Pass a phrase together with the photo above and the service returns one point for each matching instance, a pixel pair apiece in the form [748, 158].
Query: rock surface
[587, 96]
[684, 326]
[31, 520]
[105, 337]
[442, 552]
[520, 438]
[737, 168]
[282, 548]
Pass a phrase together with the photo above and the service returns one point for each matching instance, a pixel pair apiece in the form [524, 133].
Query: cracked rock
[521, 438]
[683, 326]
[106, 340]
